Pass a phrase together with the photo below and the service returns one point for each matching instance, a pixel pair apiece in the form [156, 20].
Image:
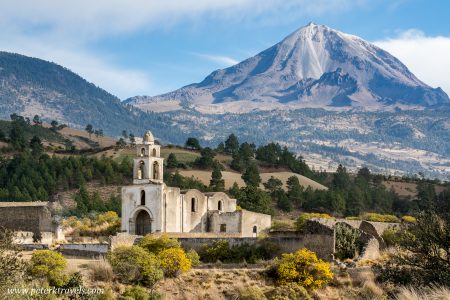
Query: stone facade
[150, 206]
[32, 222]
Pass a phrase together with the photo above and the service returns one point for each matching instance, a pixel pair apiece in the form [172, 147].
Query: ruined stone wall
[36, 219]
[252, 220]
[231, 220]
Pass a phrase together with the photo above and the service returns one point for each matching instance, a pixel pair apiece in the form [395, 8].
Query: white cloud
[221, 60]
[122, 82]
[426, 56]
[90, 19]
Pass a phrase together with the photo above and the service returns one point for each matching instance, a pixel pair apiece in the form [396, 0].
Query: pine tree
[172, 161]
[251, 176]
[231, 144]
[216, 183]
[36, 146]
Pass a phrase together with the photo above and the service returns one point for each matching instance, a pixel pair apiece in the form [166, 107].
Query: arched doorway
[219, 206]
[143, 223]
[255, 231]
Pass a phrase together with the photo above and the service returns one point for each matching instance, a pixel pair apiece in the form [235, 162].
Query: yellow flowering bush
[156, 244]
[303, 218]
[409, 219]
[304, 268]
[373, 217]
[48, 265]
[174, 261]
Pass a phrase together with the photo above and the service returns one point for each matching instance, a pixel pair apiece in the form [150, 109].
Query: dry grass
[427, 293]
[100, 271]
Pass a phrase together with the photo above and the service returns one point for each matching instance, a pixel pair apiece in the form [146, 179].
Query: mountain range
[330, 96]
[314, 67]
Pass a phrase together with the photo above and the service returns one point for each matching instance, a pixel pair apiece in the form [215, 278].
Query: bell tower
[148, 163]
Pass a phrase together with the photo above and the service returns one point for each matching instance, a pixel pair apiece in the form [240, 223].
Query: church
[150, 206]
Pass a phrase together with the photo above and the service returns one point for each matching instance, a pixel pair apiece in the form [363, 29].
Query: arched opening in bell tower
[143, 152]
[141, 170]
[155, 170]
[154, 152]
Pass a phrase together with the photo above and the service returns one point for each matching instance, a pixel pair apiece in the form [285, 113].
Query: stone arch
[154, 152]
[141, 221]
[142, 151]
[141, 170]
[219, 205]
[142, 197]
[155, 170]
[255, 230]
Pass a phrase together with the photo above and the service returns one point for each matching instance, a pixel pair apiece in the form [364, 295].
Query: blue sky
[147, 47]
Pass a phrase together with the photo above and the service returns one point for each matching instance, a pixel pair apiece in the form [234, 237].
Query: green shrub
[135, 265]
[135, 293]
[303, 218]
[193, 257]
[373, 217]
[301, 267]
[288, 292]
[218, 251]
[222, 251]
[156, 244]
[174, 261]
[347, 241]
[48, 265]
[392, 236]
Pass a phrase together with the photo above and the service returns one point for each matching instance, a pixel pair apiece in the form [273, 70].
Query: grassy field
[408, 189]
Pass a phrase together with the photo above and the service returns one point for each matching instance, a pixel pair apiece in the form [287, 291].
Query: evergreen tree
[54, 125]
[341, 179]
[234, 190]
[17, 136]
[36, 146]
[231, 144]
[206, 159]
[89, 129]
[192, 143]
[273, 185]
[2, 136]
[295, 190]
[36, 120]
[251, 175]
[216, 183]
[254, 199]
[354, 203]
[220, 148]
[172, 161]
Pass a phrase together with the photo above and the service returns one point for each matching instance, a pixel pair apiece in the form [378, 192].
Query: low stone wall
[86, 250]
[31, 247]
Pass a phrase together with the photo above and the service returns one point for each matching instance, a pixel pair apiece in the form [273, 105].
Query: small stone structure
[150, 206]
[31, 221]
